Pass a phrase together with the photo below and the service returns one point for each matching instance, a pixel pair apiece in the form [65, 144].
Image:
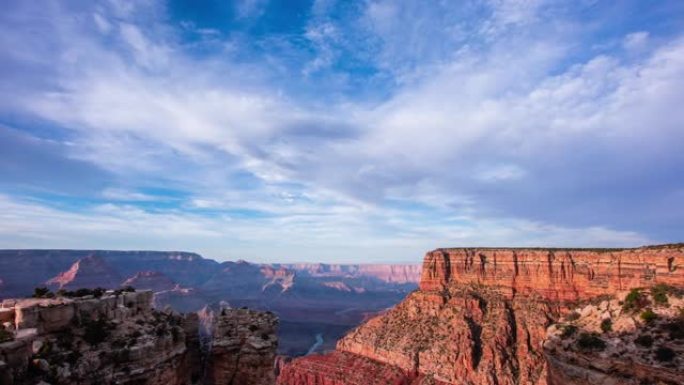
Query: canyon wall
[481, 314]
[555, 274]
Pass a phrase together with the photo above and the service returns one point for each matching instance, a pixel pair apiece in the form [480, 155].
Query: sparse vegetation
[82, 292]
[606, 325]
[660, 292]
[644, 340]
[634, 300]
[568, 331]
[42, 292]
[648, 316]
[587, 341]
[96, 331]
[664, 354]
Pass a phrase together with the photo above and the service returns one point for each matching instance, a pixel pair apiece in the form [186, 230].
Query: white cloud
[486, 131]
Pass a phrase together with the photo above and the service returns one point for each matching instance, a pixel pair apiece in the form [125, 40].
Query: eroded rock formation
[481, 315]
[242, 349]
[119, 338]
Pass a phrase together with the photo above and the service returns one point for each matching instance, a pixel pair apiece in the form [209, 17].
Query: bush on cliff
[648, 316]
[659, 293]
[606, 325]
[42, 292]
[568, 331]
[592, 341]
[644, 340]
[634, 301]
[664, 354]
[96, 331]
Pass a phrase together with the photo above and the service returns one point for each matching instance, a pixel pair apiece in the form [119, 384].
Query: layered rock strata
[481, 315]
[555, 274]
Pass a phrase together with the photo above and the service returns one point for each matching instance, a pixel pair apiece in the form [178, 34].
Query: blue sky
[340, 131]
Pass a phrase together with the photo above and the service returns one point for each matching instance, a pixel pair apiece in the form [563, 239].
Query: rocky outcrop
[481, 315]
[611, 343]
[119, 338]
[242, 349]
[89, 272]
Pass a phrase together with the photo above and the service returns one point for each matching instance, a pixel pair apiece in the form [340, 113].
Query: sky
[340, 131]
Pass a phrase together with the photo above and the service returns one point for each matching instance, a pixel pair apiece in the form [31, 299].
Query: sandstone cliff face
[556, 274]
[480, 316]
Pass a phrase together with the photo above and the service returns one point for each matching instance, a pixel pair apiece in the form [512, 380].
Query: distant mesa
[89, 272]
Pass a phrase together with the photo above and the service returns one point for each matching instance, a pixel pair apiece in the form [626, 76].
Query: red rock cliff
[556, 274]
[480, 316]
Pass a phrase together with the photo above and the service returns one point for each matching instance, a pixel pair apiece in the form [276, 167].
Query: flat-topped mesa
[556, 274]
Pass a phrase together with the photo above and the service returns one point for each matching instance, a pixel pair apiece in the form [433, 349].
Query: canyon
[482, 316]
[313, 301]
[489, 316]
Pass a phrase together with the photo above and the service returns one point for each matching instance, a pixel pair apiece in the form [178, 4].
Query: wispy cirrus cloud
[400, 126]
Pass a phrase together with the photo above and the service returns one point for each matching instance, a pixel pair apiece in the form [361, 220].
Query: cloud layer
[346, 131]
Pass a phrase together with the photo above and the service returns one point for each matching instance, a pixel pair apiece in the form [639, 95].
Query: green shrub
[606, 325]
[42, 292]
[592, 341]
[664, 354]
[96, 331]
[634, 300]
[568, 331]
[660, 292]
[128, 289]
[644, 340]
[648, 316]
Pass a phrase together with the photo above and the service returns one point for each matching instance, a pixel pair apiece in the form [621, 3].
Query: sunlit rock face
[481, 315]
[555, 274]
